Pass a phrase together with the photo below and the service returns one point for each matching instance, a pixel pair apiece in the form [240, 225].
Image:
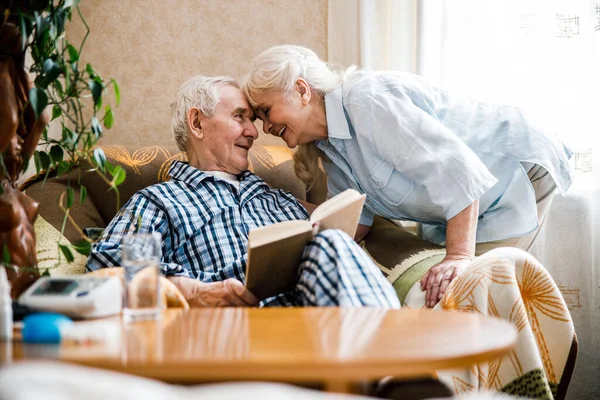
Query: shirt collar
[182, 171]
[337, 125]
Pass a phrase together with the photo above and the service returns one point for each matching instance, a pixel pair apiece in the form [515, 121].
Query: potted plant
[56, 89]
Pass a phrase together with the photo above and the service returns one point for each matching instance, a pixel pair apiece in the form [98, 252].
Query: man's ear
[194, 120]
[303, 88]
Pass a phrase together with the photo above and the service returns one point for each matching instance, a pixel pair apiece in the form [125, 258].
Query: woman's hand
[460, 250]
[437, 279]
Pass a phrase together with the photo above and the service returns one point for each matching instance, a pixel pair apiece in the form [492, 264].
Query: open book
[274, 251]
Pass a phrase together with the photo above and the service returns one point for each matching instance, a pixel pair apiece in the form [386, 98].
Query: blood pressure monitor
[76, 296]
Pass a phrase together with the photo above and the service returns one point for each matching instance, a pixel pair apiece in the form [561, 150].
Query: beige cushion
[47, 239]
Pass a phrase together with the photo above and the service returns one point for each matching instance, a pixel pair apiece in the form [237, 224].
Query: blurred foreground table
[338, 347]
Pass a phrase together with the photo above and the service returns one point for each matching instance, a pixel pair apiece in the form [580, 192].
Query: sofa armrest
[401, 256]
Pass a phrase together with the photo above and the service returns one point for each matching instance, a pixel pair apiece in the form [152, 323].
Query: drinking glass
[142, 295]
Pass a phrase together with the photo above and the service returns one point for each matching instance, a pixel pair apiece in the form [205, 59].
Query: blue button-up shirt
[422, 155]
[203, 220]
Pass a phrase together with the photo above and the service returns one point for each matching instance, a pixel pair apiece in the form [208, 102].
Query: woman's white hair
[276, 70]
[202, 92]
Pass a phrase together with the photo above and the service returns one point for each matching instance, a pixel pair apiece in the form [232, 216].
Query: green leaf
[118, 175]
[117, 91]
[73, 54]
[74, 67]
[51, 69]
[83, 247]
[100, 158]
[59, 22]
[37, 161]
[110, 168]
[109, 118]
[40, 24]
[46, 272]
[82, 194]
[67, 252]
[23, 31]
[38, 100]
[56, 154]
[89, 69]
[58, 87]
[70, 196]
[63, 167]
[56, 112]
[44, 159]
[96, 89]
[68, 136]
[96, 128]
[26, 162]
[5, 255]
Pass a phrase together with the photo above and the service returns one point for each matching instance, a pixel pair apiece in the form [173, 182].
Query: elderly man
[204, 214]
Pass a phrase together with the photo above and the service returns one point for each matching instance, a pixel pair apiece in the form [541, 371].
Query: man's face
[228, 134]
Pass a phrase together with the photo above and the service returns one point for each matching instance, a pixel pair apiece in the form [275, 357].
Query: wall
[151, 47]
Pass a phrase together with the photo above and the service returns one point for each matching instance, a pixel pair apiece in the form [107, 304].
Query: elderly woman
[475, 176]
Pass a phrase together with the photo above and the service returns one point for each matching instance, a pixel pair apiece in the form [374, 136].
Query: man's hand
[228, 293]
[437, 279]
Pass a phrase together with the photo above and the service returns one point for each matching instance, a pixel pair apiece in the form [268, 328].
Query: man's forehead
[233, 97]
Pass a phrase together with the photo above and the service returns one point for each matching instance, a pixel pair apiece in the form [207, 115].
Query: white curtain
[541, 55]
[373, 34]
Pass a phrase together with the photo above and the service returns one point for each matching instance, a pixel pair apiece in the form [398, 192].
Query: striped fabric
[204, 223]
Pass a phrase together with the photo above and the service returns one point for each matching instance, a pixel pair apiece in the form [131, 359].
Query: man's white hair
[202, 92]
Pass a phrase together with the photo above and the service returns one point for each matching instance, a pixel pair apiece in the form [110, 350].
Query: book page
[340, 212]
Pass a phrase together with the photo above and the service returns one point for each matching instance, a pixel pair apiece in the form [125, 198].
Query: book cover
[274, 251]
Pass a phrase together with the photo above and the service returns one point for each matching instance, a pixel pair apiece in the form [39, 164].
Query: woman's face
[296, 118]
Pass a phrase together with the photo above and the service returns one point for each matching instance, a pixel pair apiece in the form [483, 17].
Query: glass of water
[142, 295]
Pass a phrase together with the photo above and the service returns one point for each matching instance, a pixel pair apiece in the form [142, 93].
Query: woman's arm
[461, 231]
[460, 251]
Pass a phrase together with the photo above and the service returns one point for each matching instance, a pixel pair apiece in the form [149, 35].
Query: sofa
[389, 244]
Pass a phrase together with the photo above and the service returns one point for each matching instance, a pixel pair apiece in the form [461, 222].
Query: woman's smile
[280, 132]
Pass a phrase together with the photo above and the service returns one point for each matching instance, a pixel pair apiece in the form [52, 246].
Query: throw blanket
[511, 284]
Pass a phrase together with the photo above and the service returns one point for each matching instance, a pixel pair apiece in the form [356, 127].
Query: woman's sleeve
[422, 148]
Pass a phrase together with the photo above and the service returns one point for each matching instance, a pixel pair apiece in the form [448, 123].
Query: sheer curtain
[541, 55]
[373, 34]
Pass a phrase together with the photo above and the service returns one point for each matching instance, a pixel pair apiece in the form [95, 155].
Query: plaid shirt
[203, 220]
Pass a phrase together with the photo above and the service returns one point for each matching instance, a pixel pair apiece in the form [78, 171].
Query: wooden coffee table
[335, 346]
